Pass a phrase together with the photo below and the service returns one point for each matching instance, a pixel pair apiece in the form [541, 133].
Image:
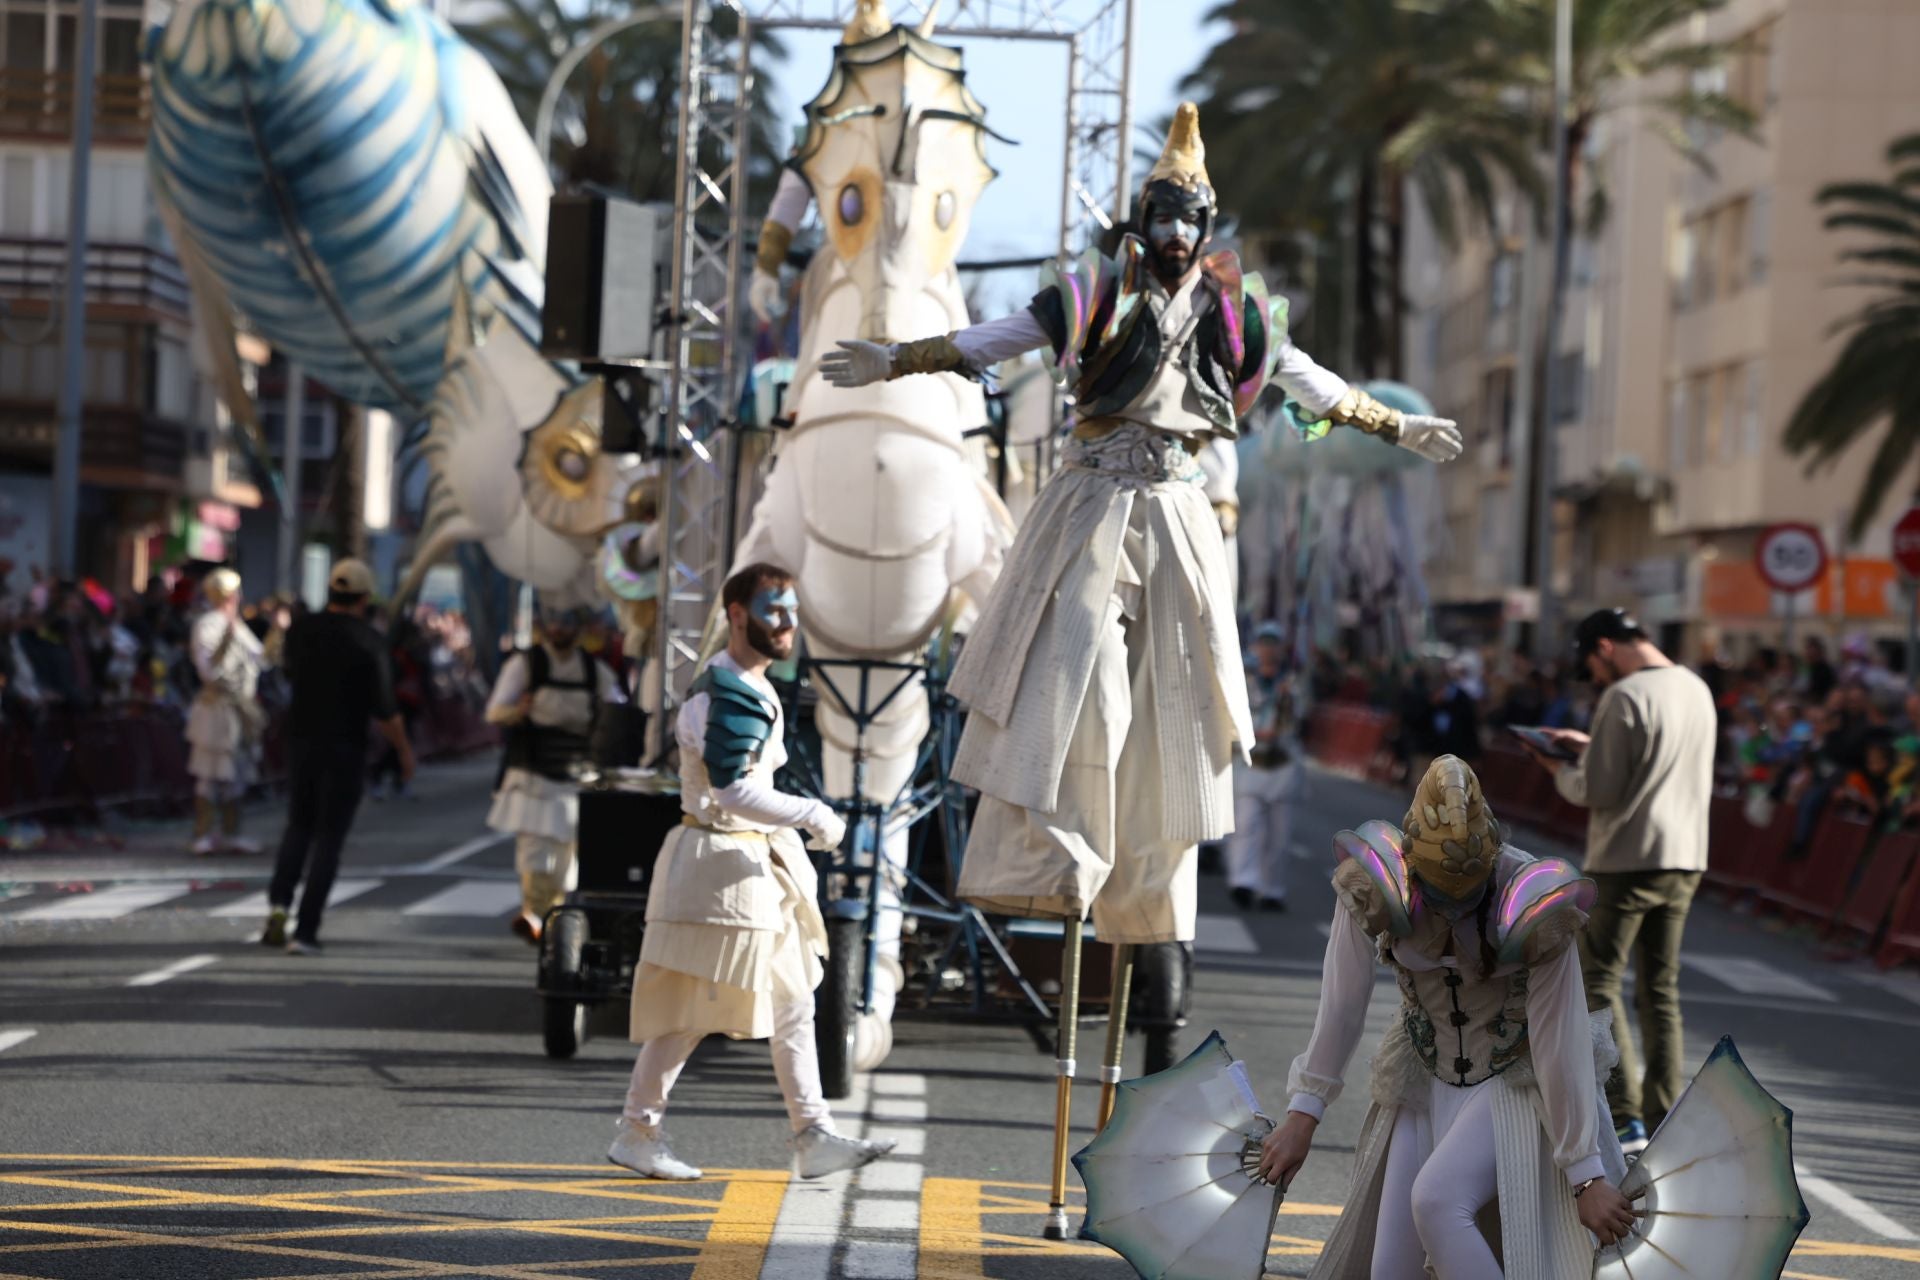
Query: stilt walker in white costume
[226, 721]
[1486, 1089]
[1104, 678]
[734, 938]
[547, 698]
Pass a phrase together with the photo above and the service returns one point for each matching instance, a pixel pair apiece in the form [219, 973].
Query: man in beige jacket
[1646, 776]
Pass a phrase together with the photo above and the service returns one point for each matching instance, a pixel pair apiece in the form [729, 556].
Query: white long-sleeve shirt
[1558, 1032]
[988, 343]
[751, 798]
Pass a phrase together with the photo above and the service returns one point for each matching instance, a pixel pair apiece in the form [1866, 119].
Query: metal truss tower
[711, 224]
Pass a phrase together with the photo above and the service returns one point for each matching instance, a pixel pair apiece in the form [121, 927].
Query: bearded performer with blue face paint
[734, 937]
[1486, 1088]
[1103, 680]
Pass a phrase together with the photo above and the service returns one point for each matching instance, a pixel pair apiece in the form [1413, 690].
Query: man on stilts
[1104, 677]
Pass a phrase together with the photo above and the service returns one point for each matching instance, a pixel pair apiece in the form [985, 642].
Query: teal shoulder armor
[1371, 878]
[1541, 905]
[739, 722]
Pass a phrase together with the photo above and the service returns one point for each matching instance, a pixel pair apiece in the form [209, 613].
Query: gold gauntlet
[1361, 411]
[927, 355]
[775, 240]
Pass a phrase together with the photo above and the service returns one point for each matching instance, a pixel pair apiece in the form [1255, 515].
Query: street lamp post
[1545, 454]
[73, 338]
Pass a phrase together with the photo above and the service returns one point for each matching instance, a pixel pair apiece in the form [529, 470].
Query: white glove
[826, 831]
[857, 364]
[765, 298]
[1435, 439]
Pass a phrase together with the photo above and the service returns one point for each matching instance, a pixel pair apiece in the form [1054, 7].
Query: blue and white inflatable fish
[333, 170]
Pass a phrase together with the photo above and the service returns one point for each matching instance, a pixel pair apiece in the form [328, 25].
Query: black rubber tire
[561, 946]
[836, 1005]
[1162, 1049]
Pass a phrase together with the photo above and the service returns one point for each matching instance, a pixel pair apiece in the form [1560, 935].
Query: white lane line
[886, 1215]
[893, 1174]
[900, 1085]
[469, 898]
[881, 1260]
[898, 1109]
[1227, 934]
[461, 852]
[906, 1142]
[1323, 928]
[8, 1039]
[805, 1233]
[107, 904]
[255, 904]
[1862, 1213]
[1756, 977]
[154, 977]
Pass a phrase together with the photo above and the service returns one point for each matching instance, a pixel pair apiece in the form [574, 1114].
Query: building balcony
[39, 104]
[121, 448]
[124, 281]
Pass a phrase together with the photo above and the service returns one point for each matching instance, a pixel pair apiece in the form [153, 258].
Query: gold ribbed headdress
[869, 22]
[1451, 841]
[1183, 161]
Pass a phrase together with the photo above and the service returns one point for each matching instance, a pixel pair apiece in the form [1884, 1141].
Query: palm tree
[624, 98]
[1324, 110]
[1875, 379]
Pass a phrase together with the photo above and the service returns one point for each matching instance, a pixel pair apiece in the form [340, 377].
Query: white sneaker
[820, 1151]
[242, 845]
[206, 846]
[649, 1153]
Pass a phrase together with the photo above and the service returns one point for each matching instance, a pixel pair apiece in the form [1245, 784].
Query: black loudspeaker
[607, 275]
[620, 834]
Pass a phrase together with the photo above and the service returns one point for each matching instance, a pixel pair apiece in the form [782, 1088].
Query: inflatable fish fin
[213, 315]
[442, 545]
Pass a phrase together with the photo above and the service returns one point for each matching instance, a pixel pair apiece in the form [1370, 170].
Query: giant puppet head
[1178, 206]
[895, 151]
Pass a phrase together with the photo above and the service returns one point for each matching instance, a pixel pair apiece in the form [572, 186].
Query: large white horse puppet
[875, 503]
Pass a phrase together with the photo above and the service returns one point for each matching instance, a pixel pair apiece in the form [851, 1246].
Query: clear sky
[1023, 84]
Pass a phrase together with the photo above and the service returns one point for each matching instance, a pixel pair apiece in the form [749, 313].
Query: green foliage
[1873, 385]
[615, 123]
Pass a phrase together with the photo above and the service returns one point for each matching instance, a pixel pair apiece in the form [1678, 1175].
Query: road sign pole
[1793, 603]
[1913, 629]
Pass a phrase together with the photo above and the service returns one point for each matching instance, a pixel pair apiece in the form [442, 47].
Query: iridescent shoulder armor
[1540, 907]
[1372, 880]
[1084, 302]
[739, 722]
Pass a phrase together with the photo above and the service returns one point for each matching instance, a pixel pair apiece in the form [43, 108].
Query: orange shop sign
[1867, 587]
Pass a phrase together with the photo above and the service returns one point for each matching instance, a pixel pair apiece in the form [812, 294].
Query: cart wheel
[1161, 1050]
[560, 954]
[837, 1004]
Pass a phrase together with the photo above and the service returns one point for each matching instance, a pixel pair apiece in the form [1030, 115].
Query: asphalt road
[176, 1101]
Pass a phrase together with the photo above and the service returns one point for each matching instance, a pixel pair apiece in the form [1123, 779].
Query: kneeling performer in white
[1486, 1087]
[734, 939]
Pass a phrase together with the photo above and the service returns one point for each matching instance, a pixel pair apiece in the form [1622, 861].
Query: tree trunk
[350, 505]
[1366, 281]
[1393, 348]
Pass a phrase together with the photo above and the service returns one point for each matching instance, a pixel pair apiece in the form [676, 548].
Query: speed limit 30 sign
[1791, 557]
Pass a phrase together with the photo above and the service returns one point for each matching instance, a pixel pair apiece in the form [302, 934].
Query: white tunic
[529, 803]
[224, 722]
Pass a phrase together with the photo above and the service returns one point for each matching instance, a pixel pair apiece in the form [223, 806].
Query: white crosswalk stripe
[1227, 935]
[469, 898]
[1752, 977]
[255, 904]
[106, 904]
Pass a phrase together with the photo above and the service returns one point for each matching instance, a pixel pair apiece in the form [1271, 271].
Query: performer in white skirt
[226, 721]
[1486, 1088]
[547, 697]
[734, 938]
[1107, 699]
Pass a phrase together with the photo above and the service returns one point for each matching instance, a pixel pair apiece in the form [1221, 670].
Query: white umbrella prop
[1173, 1181]
[1716, 1185]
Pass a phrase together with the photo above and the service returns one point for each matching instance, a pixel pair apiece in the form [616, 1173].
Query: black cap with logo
[1604, 624]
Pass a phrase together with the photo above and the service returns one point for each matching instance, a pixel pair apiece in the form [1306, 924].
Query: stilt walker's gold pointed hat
[1183, 161]
[869, 22]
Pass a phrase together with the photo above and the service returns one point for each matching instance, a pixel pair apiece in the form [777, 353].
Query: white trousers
[796, 1065]
[1432, 1193]
[1263, 803]
[548, 872]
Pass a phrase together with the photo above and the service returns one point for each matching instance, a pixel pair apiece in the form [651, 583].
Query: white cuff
[1308, 1104]
[1582, 1170]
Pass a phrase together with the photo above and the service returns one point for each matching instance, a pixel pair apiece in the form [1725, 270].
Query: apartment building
[1700, 312]
[157, 467]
